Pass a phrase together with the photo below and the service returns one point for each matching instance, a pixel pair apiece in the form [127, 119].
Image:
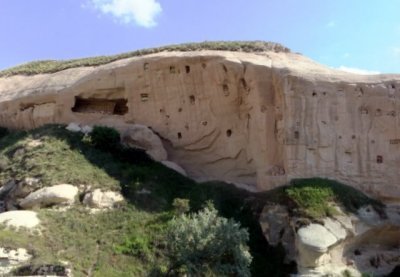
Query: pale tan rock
[174, 166]
[253, 119]
[73, 127]
[86, 129]
[18, 219]
[63, 194]
[139, 136]
[102, 200]
[12, 258]
[336, 228]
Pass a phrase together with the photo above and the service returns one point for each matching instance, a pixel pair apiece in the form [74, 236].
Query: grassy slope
[88, 241]
[51, 66]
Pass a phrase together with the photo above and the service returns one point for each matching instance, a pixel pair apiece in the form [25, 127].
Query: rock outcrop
[102, 200]
[19, 219]
[331, 246]
[256, 120]
[64, 194]
[139, 136]
[11, 259]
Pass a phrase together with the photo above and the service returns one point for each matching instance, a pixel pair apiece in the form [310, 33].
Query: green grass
[128, 241]
[51, 66]
[317, 198]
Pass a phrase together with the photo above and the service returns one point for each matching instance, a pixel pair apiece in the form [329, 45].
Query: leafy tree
[205, 244]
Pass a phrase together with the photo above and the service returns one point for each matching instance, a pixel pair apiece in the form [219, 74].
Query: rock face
[139, 136]
[252, 119]
[175, 167]
[346, 242]
[55, 195]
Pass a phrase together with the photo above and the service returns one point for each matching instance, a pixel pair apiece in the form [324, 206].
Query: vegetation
[206, 244]
[131, 240]
[51, 66]
[3, 132]
[316, 197]
[105, 138]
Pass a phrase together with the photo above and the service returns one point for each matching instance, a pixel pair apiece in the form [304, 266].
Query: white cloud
[140, 12]
[331, 24]
[357, 70]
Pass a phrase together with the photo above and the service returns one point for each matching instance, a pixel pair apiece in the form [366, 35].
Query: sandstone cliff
[254, 119]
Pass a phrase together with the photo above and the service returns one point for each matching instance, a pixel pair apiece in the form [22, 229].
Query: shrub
[181, 206]
[138, 246]
[314, 200]
[105, 138]
[207, 244]
[3, 132]
[315, 197]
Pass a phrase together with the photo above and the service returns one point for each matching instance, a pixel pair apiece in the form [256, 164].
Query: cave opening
[100, 106]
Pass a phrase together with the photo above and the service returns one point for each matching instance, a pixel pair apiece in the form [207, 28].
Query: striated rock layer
[255, 120]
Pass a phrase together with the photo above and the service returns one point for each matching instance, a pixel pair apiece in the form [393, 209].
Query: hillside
[90, 243]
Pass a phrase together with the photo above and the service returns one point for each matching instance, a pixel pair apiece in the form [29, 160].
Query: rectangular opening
[394, 141]
[144, 97]
[100, 106]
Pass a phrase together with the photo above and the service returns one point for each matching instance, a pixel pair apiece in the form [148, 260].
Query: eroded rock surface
[345, 242]
[139, 136]
[256, 120]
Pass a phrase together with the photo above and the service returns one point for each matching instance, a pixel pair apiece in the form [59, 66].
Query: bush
[181, 206]
[207, 244]
[313, 200]
[3, 132]
[316, 197]
[105, 138]
[138, 246]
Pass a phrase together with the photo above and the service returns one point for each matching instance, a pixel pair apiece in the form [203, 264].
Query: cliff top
[51, 66]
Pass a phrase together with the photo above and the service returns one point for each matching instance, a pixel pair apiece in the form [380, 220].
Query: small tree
[207, 243]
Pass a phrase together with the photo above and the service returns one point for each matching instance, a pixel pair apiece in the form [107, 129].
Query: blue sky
[360, 34]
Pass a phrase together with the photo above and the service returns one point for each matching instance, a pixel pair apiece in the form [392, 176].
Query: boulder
[25, 187]
[17, 219]
[313, 242]
[44, 270]
[63, 194]
[102, 200]
[316, 237]
[369, 215]
[73, 127]
[335, 227]
[175, 167]
[142, 137]
[87, 129]
[11, 259]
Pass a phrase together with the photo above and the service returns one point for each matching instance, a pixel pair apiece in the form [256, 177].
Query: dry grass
[51, 66]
